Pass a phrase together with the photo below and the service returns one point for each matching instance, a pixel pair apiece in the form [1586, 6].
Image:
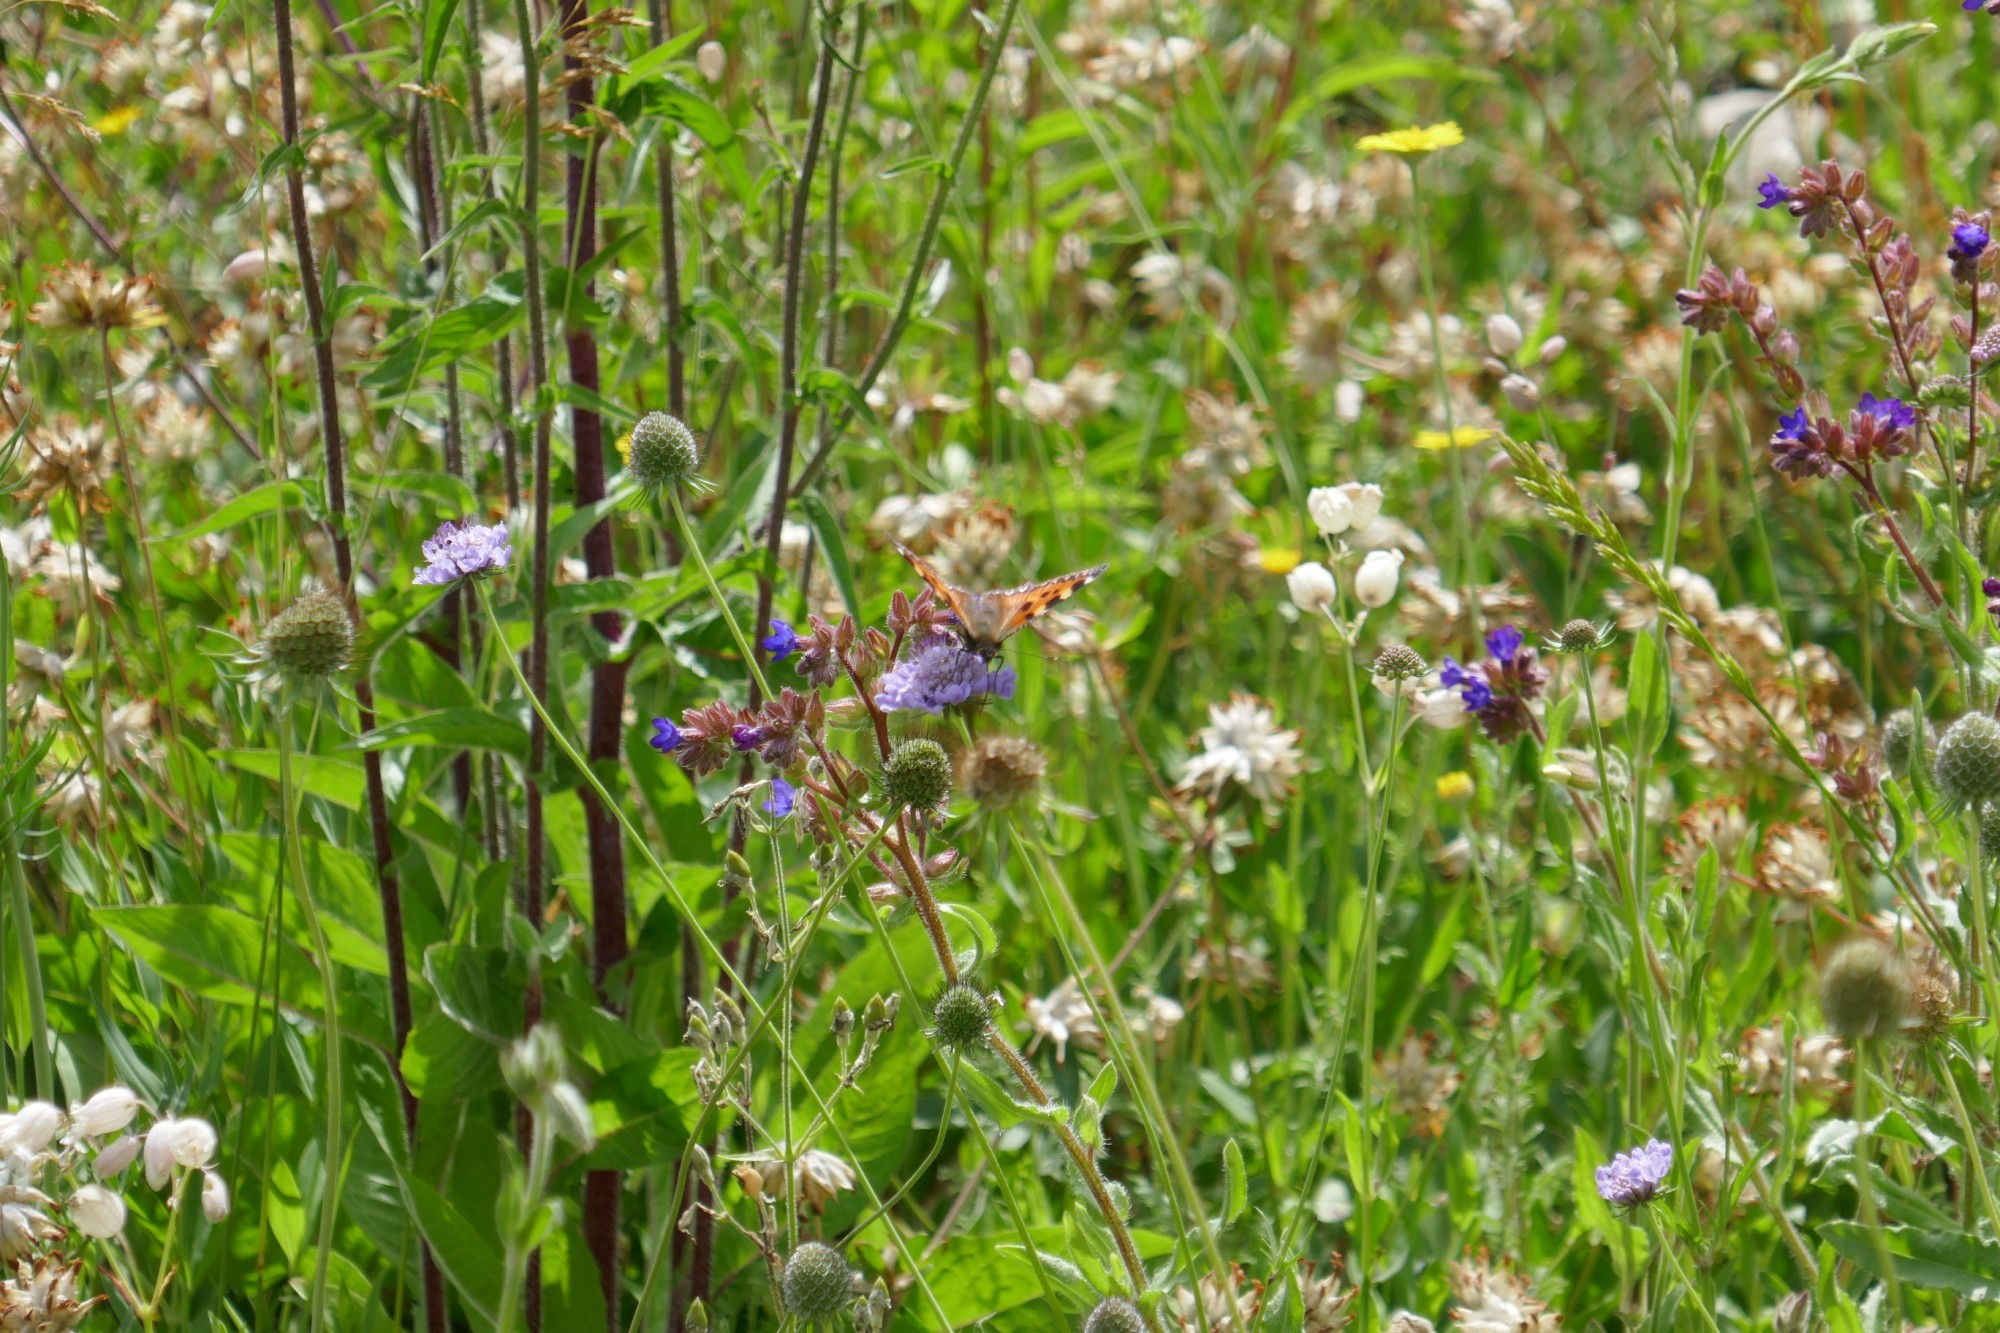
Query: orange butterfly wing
[1025, 603]
[955, 598]
[990, 617]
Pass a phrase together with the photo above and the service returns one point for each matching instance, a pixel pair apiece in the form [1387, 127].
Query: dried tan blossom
[916, 520]
[41, 1297]
[974, 547]
[1635, 607]
[1491, 30]
[1328, 1300]
[1797, 863]
[820, 1176]
[1433, 613]
[1816, 1062]
[1223, 1305]
[1491, 1298]
[1316, 331]
[1720, 822]
[77, 297]
[71, 458]
[904, 403]
[1418, 1086]
[1150, 62]
[1239, 967]
[1224, 437]
[171, 431]
[1243, 746]
[1257, 52]
[1171, 284]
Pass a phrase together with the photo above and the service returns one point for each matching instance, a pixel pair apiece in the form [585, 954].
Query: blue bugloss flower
[1476, 693]
[1890, 411]
[666, 736]
[939, 673]
[1970, 239]
[1504, 642]
[782, 643]
[1772, 191]
[746, 737]
[783, 797]
[1452, 674]
[1792, 425]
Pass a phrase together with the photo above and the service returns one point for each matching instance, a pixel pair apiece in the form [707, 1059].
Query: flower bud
[843, 1018]
[917, 775]
[817, 1284]
[1312, 587]
[97, 1212]
[1552, 348]
[1348, 400]
[961, 1017]
[661, 452]
[1114, 1314]
[32, 1127]
[1522, 394]
[108, 1111]
[1375, 582]
[116, 1156]
[214, 1196]
[177, 1143]
[311, 639]
[247, 268]
[1365, 499]
[1503, 335]
[712, 61]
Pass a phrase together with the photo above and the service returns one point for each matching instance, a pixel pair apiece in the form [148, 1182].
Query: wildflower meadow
[1048, 666]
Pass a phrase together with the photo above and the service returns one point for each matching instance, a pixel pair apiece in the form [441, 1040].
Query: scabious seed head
[1864, 989]
[1945, 392]
[1967, 761]
[1001, 772]
[311, 639]
[917, 775]
[1899, 741]
[818, 1284]
[1399, 661]
[961, 1016]
[1579, 636]
[1114, 1314]
[661, 452]
[1933, 998]
[1989, 832]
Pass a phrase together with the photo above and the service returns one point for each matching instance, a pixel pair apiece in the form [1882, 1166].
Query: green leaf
[1939, 1260]
[642, 1111]
[1235, 1185]
[833, 549]
[470, 1260]
[269, 498]
[451, 728]
[1004, 1109]
[215, 951]
[340, 781]
[437, 23]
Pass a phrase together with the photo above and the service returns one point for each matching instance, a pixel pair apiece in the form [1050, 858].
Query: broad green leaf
[269, 498]
[1941, 1261]
[451, 728]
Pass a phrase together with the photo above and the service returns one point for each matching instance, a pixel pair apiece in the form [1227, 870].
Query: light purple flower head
[939, 673]
[460, 549]
[1632, 1178]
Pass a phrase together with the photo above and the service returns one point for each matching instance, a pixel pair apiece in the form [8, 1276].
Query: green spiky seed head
[818, 1284]
[311, 639]
[1864, 990]
[1899, 741]
[1399, 661]
[1579, 636]
[1967, 762]
[661, 452]
[917, 776]
[1944, 392]
[1989, 833]
[1114, 1314]
[961, 1017]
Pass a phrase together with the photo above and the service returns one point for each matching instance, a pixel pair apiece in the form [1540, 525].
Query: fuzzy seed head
[818, 1285]
[662, 452]
[1989, 832]
[1864, 990]
[311, 639]
[917, 776]
[1001, 772]
[961, 1017]
[1578, 636]
[1968, 760]
[1114, 1314]
[1899, 740]
[1399, 661]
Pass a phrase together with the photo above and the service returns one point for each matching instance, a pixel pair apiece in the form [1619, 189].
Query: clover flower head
[461, 549]
[941, 673]
[1634, 1178]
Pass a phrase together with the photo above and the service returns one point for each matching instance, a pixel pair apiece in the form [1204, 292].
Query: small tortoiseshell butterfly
[987, 619]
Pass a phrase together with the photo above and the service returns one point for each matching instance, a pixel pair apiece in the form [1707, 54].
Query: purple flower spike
[1792, 424]
[783, 797]
[782, 642]
[940, 673]
[1504, 642]
[1634, 1178]
[460, 549]
[1892, 412]
[1772, 191]
[666, 736]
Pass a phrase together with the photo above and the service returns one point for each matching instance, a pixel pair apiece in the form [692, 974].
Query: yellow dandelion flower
[1455, 786]
[1430, 138]
[1462, 437]
[117, 121]
[1277, 559]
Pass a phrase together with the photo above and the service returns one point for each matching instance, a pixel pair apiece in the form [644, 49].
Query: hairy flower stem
[1866, 481]
[1867, 1051]
[364, 694]
[1460, 502]
[329, 1094]
[657, 17]
[915, 276]
[517, 1258]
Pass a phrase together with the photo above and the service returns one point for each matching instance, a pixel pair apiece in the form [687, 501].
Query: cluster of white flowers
[1353, 507]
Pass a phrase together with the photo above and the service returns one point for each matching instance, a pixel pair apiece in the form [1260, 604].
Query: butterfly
[987, 619]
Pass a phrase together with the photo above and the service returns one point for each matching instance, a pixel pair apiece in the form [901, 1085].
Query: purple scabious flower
[1772, 191]
[782, 643]
[940, 673]
[460, 549]
[783, 797]
[666, 736]
[1792, 424]
[1634, 1178]
[1892, 412]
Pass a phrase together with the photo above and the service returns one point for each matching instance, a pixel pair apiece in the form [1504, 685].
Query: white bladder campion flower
[97, 1212]
[171, 1143]
[1331, 509]
[1375, 582]
[1312, 587]
[214, 1196]
[117, 1156]
[32, 1128]
[108, 1111]
[1364, 502]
